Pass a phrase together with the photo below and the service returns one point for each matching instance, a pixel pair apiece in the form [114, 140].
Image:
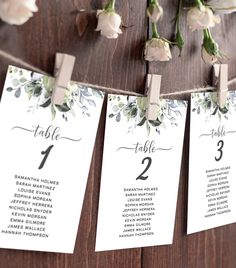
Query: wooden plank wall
[118, 64]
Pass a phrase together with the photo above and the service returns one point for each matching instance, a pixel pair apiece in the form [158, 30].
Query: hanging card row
[46, 151]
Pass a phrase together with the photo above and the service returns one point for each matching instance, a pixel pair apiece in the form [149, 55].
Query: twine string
[175, 93]
[112, 90]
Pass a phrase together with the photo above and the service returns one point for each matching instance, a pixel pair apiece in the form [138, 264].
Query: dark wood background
[118, 64]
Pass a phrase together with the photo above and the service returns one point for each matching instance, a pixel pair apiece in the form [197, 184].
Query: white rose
[201, 18]
[220, 6]
[211, 59]
[17, 11]
[157, 49]
[154, 12]
[109, 24]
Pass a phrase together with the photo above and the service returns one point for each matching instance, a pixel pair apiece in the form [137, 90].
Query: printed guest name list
[31, 206]
[136, 187]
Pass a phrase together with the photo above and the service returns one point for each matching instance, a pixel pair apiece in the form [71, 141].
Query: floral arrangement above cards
[201, 16]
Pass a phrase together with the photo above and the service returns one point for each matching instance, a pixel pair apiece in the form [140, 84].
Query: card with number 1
[45, 154]
[140, 174]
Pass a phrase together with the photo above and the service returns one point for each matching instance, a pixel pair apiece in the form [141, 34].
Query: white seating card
[212, 169]
[45, 154]
[140, 174]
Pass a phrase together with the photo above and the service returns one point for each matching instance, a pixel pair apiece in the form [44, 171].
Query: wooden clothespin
[153, 96]
[64, 65]
[220, 78]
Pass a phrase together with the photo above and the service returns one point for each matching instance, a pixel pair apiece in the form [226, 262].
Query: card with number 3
[212, 170]
[140, 174]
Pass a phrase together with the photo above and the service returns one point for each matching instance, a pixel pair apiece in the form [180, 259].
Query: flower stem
[210, 44]
[198, 3]
[110, 5]
[154, 2]
[180, 5]
[179, 39]
[178, 14]
[155, 33]
[207, 33]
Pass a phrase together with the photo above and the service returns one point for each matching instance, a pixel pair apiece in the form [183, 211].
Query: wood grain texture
[118, 64]
[112, 63]
[99, 61]
[214, 248]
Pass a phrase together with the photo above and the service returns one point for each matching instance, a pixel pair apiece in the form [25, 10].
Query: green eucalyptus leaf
[9, 89]
[37, 91]
[63, 108]
[97, 93]
[18, 93]
[118, 117]
[86, 93]
[15, 83]
[134, 112]
[29, 88]
[179, 39]
[223, 110]
[23, 80]
[111, 115]
[53, 112]
[121, 104]
[142, 103]
[91, 102]
[215, 111]
[46, 104]
[48, 83]
[142, 122]
[155, 123]
[148, 127]
[115, 108]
